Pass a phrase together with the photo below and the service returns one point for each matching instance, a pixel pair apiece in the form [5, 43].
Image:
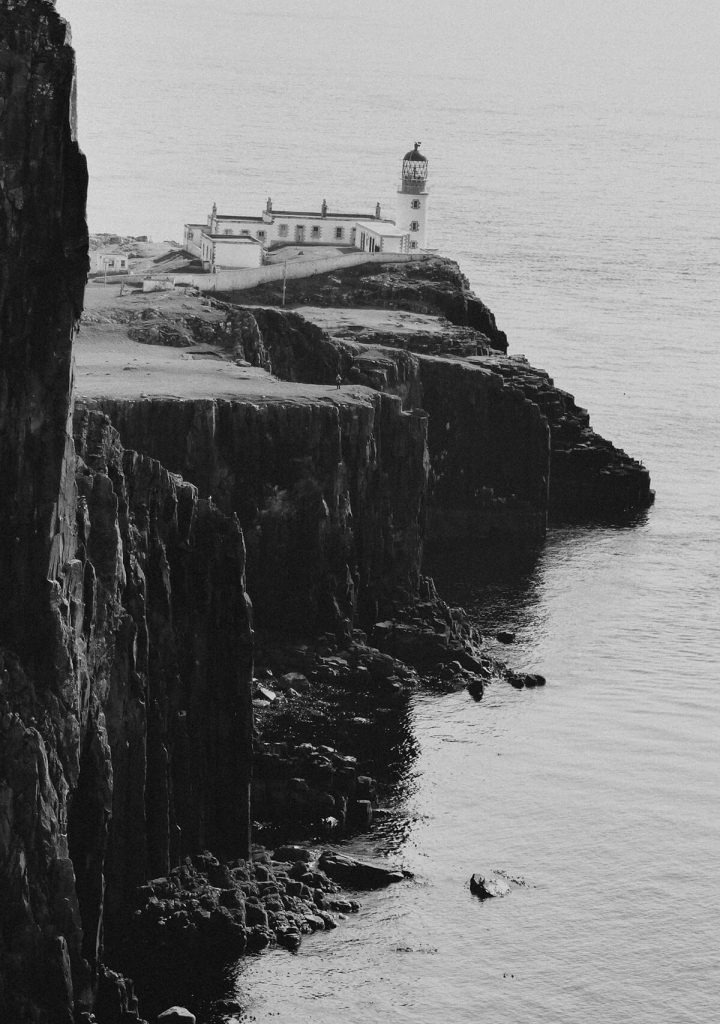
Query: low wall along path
[238, 280]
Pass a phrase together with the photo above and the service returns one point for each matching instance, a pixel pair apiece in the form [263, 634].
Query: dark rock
[357, 874]
[258, 938]
[176, 1015]
[505, 636]
[486, 886]
[476, 688]
[255, 915]
[361, 814]
[292, 853]
[290, 939]
[294, 681]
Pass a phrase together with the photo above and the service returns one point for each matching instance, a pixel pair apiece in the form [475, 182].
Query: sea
[573, 155]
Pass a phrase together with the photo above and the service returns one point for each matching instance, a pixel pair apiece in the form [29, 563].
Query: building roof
[233, 238]
[306, 214]
[239, 216]
[382, 227]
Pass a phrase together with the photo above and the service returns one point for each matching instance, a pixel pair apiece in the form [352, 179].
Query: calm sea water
[573, 160]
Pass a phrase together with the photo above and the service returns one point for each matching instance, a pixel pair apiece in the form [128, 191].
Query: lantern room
[414, 171]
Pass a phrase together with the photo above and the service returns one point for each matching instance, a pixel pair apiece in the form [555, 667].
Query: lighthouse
[412, 197]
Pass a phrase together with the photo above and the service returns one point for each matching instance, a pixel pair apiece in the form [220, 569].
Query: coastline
[312, 776]
[196, 512]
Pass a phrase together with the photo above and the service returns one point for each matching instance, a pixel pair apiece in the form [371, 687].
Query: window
[413, 244]
[415, 204]
[261, 234]
[315, 231]
[227, 231]
[414, 226]
[338, 232]
[283, 230]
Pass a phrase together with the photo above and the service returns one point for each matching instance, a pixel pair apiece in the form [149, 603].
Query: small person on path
[338, 381]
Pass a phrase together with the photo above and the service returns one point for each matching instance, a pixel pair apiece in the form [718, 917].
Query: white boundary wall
[238, 280]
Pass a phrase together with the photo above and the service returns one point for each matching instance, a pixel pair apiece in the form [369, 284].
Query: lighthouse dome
[415, 155]
[414, 171]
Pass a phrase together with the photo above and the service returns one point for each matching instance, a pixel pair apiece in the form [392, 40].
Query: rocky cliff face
[43, 262]
[490, 454]
[125, 630]
[143, 754]
[330, 495]
[43, 265]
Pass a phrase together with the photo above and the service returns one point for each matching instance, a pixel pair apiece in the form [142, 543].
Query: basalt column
[43, 267]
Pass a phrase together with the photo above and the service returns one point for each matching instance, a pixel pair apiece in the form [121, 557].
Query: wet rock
[290, 939]
[176, 1015]
[488, 886]
[294, 681]
[265, 694]
[361, 814]
[292, 853]
[476, 688]
[505, 636]
[258, 939]
[357, 874]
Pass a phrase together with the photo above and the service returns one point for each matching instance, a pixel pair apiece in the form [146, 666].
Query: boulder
[292, 853]
[294, 681]
[357, 874]
[176, 1015]
[475, 688]
[488, 886]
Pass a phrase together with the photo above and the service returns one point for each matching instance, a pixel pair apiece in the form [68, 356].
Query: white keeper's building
[230, 241]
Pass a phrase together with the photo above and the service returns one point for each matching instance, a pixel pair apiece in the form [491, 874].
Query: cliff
[43, 265]
[330, 492]
[125, 630]
[144, 753]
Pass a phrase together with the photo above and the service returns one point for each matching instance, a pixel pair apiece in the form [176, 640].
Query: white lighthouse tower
[412, 197]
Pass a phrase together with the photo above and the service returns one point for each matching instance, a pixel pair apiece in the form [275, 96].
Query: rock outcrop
[330, 495]
[433, 285]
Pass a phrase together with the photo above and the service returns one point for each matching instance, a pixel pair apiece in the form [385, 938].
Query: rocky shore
[213, 606]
